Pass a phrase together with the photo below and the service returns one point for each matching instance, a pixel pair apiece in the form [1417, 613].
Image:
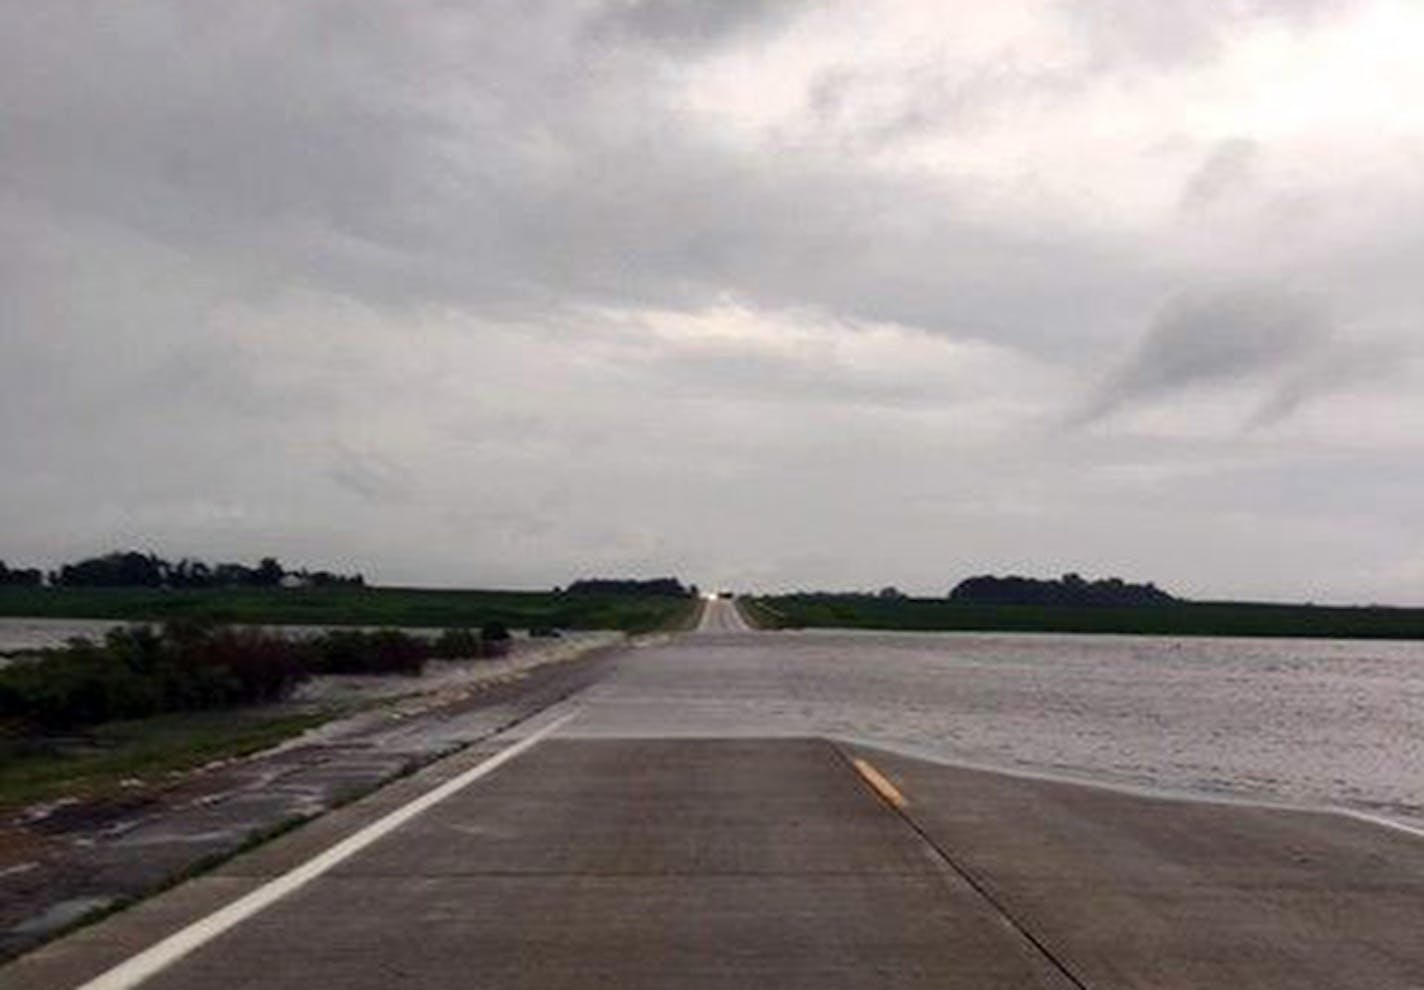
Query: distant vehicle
[725, 594]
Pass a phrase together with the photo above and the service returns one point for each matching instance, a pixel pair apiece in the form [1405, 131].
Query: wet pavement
[1302, 722]
[656, 841]
[63, 862]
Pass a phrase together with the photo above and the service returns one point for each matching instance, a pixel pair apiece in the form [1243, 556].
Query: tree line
[20, 577]
[652, 586]
[988, 589]
[1070, 589]
[132, 569]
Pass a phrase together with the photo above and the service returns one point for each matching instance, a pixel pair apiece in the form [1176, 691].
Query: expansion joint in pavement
[890, 796]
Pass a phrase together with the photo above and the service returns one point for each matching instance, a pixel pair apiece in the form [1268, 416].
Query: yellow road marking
[877, 780]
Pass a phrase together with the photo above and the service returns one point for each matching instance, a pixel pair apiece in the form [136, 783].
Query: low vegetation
[1178, 618]
[20, 577]
[1070, 589]
[670, 587]
[133, 569]
[139, 671]
[349, 605]
[100, 760]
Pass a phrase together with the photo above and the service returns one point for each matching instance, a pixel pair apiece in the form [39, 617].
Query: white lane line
[150, 961]
[1381, 821]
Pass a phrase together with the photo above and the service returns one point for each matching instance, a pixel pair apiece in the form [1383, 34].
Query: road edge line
[162, 954]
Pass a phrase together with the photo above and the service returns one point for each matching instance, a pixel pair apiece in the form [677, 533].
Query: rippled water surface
[1303, 721]
[36, 634]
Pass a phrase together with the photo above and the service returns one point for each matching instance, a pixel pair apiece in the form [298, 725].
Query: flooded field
[39, 634]
[19, 634]
[1300, 721]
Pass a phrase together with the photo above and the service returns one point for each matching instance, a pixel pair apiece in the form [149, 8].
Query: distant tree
[608, 586]
[115, 570]
[133, 569]
[232, 575]
[20, 577]
[326, 579]
[1070, 590]
[890, 592]
[269, 573]
[189, 573]
[494, 630]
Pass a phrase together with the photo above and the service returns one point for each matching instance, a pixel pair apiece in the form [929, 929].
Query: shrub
[396, 652]
[139, 672]
[494, 636]
[342, 651]
[386, 651]
[258, 665]
[458, 644]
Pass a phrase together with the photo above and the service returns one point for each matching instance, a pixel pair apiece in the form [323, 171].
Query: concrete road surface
[722, 615]
[592, 858]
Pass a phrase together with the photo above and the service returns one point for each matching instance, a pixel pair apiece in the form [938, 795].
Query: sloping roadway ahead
[711, 863]
[721, 615]
[620, 863]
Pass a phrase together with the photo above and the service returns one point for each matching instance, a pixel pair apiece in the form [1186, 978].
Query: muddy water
[1311, 722]
[38, 634]
[18, 634]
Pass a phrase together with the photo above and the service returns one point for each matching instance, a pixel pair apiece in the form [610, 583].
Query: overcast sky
[762, 294]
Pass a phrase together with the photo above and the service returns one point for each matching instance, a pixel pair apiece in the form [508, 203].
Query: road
[721, 615]
[610, 841]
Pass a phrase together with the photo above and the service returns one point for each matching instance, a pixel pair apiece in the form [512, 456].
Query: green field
[354, 606]
[1181, 619]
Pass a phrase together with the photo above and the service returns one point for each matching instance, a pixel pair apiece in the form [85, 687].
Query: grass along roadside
[759, 614]
[107, 760]
[409, 607]
[1178, 619]
[117, 756]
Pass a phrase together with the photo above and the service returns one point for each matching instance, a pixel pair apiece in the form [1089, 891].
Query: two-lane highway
[723, 616]
[643, 834]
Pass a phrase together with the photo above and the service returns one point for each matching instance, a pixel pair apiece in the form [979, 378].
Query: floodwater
[1311, 722]
[18, 634]
[39, 634]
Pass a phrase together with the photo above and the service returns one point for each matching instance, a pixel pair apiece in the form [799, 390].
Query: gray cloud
[1225, 170]
[1210, 337]
[1336, 369]
[1123, 31]
[341, 281]
[684, 23]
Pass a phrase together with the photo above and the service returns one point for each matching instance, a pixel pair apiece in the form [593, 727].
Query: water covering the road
[1302, 721]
